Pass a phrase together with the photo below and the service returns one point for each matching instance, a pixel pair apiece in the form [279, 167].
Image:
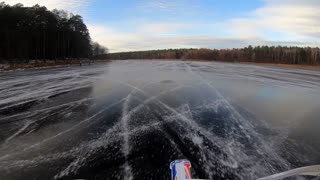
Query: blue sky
[129, 25]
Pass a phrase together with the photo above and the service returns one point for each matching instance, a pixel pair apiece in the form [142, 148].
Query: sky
[131, 25]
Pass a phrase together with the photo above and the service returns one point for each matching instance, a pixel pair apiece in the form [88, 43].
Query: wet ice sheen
[130, 119]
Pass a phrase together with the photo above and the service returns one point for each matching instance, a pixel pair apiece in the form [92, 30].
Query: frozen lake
[130, 119]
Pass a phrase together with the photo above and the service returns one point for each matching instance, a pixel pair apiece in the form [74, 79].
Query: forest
[35, 33]
[259, 54]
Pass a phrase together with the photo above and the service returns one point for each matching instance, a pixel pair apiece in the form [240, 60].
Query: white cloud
[174, 8]
[285, 22]
[162, 5]
[170, 5]
[297, 20]
[110, 38]
[74, 6]
[135, 41]
[164, 28]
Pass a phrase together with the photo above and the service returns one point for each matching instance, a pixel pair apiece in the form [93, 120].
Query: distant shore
[293, 66]
[61, 63]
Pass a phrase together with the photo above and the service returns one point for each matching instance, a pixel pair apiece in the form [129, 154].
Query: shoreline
[291, 66]
[42, 65]
[50, 64]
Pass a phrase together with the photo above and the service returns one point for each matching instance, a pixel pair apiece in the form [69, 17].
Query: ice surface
[130, 119]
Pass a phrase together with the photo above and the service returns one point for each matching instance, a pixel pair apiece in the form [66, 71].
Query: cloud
[285, 22]
[174, 8]
[161, 5]
[294, 19]
[163, 28]
[112, 39]
[170, 5]
[293, 2]
[74, 6]
[135, 41]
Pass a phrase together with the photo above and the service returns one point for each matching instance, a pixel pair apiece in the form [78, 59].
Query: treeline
[260, 54]
[28, 33]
